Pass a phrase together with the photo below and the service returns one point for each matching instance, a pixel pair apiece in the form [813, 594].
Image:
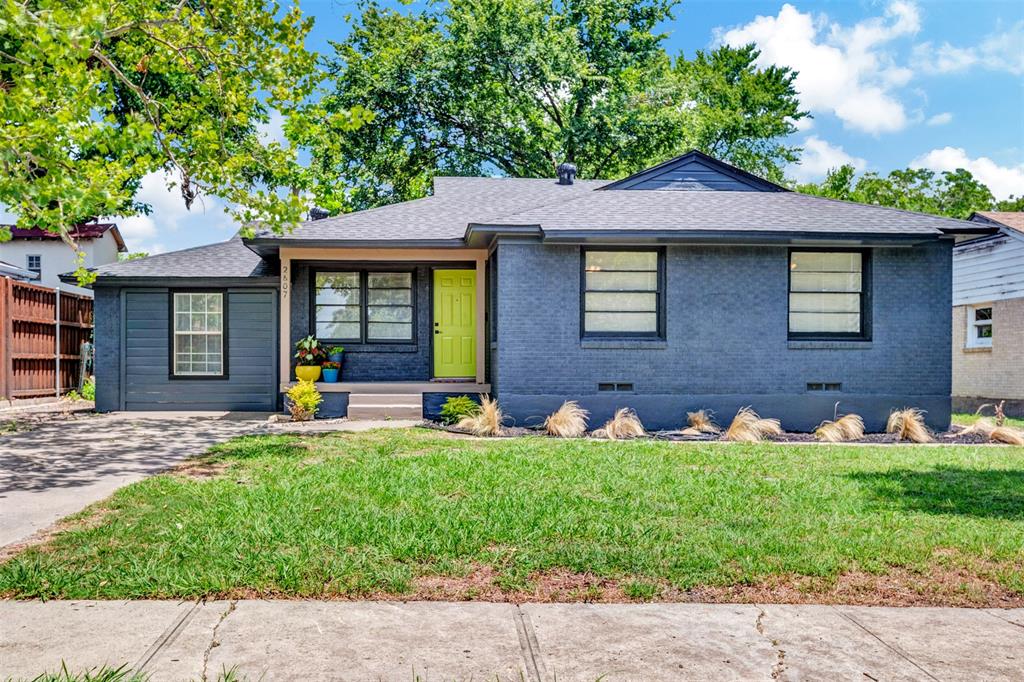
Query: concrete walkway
[62, 465]
[283, 640]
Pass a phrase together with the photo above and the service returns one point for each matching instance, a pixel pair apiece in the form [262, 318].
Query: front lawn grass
[417, 514]
[965, 419]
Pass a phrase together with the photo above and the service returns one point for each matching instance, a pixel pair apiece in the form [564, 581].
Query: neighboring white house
[44, 252]
[988, 315]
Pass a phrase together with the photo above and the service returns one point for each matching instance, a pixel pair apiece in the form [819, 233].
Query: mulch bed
[952, 437]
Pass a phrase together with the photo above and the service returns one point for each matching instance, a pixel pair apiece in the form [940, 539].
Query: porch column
[285, 316]
[481, 311]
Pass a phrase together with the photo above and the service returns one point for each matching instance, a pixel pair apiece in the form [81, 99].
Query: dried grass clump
[908, 424]
[568, 421]
[848, 427]
[487, 422]
[1007, 434]
[701, 422]
[748, 427]
[984, 426]
[625, 424]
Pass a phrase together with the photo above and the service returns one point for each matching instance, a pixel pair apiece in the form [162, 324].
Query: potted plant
[334, 353]
[331, 370]
[309, 355]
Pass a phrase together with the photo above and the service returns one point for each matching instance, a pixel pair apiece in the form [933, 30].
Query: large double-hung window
[358, 306]
[828, 294]
[623, 292]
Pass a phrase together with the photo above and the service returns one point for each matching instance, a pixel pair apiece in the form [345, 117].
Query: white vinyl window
[198, 334]
[826, 293]
[621, 293]
[979, 327]
[34, 262]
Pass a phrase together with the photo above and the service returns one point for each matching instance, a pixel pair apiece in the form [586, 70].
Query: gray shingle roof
[728, 212]
[228, 259]
[445, 215]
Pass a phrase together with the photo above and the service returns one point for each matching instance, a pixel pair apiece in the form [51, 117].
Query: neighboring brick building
[988, 316]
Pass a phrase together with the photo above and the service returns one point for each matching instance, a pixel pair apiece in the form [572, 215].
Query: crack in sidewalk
[891, 647]
[213, 636]
[780, 654]
[1005, 620]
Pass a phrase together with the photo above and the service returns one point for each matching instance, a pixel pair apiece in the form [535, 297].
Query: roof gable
[695, 172]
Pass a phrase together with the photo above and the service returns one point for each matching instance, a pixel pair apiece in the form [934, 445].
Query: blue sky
[890, 84]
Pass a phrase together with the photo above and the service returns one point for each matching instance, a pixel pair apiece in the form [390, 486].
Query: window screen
[826, 293]
[621, 292]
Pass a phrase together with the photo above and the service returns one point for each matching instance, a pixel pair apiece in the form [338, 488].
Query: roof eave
[270, 247]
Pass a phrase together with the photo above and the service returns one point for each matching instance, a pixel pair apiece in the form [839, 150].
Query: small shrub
[89, 389]
[908, 424]
[304, 401]
[847, 427]
[625, 424]
[458, 407]
[487, 421]
[748, 427]
[568, 421]
[701, 422]
[73, 396]
[1007, 434]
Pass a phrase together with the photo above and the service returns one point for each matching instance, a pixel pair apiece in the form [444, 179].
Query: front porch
[412, 322]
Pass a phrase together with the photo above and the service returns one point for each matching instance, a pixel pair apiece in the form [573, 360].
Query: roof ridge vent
[317, 213]
[566, 173]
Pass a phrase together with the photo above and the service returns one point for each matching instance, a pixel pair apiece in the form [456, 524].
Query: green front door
[454, 323]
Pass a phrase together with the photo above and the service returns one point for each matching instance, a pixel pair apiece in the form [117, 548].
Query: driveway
[63, 465]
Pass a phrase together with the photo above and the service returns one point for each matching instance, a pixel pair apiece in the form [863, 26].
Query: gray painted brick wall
[373, 362]
[726, 340]
[107, 338]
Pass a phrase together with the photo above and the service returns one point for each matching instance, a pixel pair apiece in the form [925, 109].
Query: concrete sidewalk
[283, 640]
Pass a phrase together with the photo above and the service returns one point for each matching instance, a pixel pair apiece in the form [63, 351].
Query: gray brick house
[689, 285]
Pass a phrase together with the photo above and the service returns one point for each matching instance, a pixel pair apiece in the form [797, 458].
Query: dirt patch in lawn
[43, 537]
[898, 586]
[200, 468]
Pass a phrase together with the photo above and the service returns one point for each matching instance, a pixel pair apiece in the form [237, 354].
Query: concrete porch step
[385, 405]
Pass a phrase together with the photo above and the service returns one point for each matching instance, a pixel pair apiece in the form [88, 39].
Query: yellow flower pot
[307, 372]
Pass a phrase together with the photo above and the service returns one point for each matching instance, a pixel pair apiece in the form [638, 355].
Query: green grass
[968, 419]
[364, 514]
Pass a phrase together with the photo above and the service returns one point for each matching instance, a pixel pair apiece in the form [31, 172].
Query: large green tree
[95, 94]
[517, 86]
[951, 193]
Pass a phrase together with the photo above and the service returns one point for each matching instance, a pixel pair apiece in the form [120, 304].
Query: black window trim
[363, 271]
[224, 348]
[865, 296]
[659, 333]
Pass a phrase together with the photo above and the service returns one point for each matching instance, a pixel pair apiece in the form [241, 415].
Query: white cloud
[940, 119]
[149, 232]
[819, 157]
[999, 51]
[1002, 180]
[844, 70]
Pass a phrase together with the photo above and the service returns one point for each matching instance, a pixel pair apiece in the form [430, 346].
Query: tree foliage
[96, 94]
[518, 86]
[956, 194]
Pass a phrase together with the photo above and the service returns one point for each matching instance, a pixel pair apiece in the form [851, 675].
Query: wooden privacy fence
[30, 331]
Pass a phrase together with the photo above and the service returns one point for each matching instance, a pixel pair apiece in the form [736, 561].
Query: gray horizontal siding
[252, 356]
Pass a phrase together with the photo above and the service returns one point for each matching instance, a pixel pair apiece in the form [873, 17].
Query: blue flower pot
[331, 375]
[335, 357]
